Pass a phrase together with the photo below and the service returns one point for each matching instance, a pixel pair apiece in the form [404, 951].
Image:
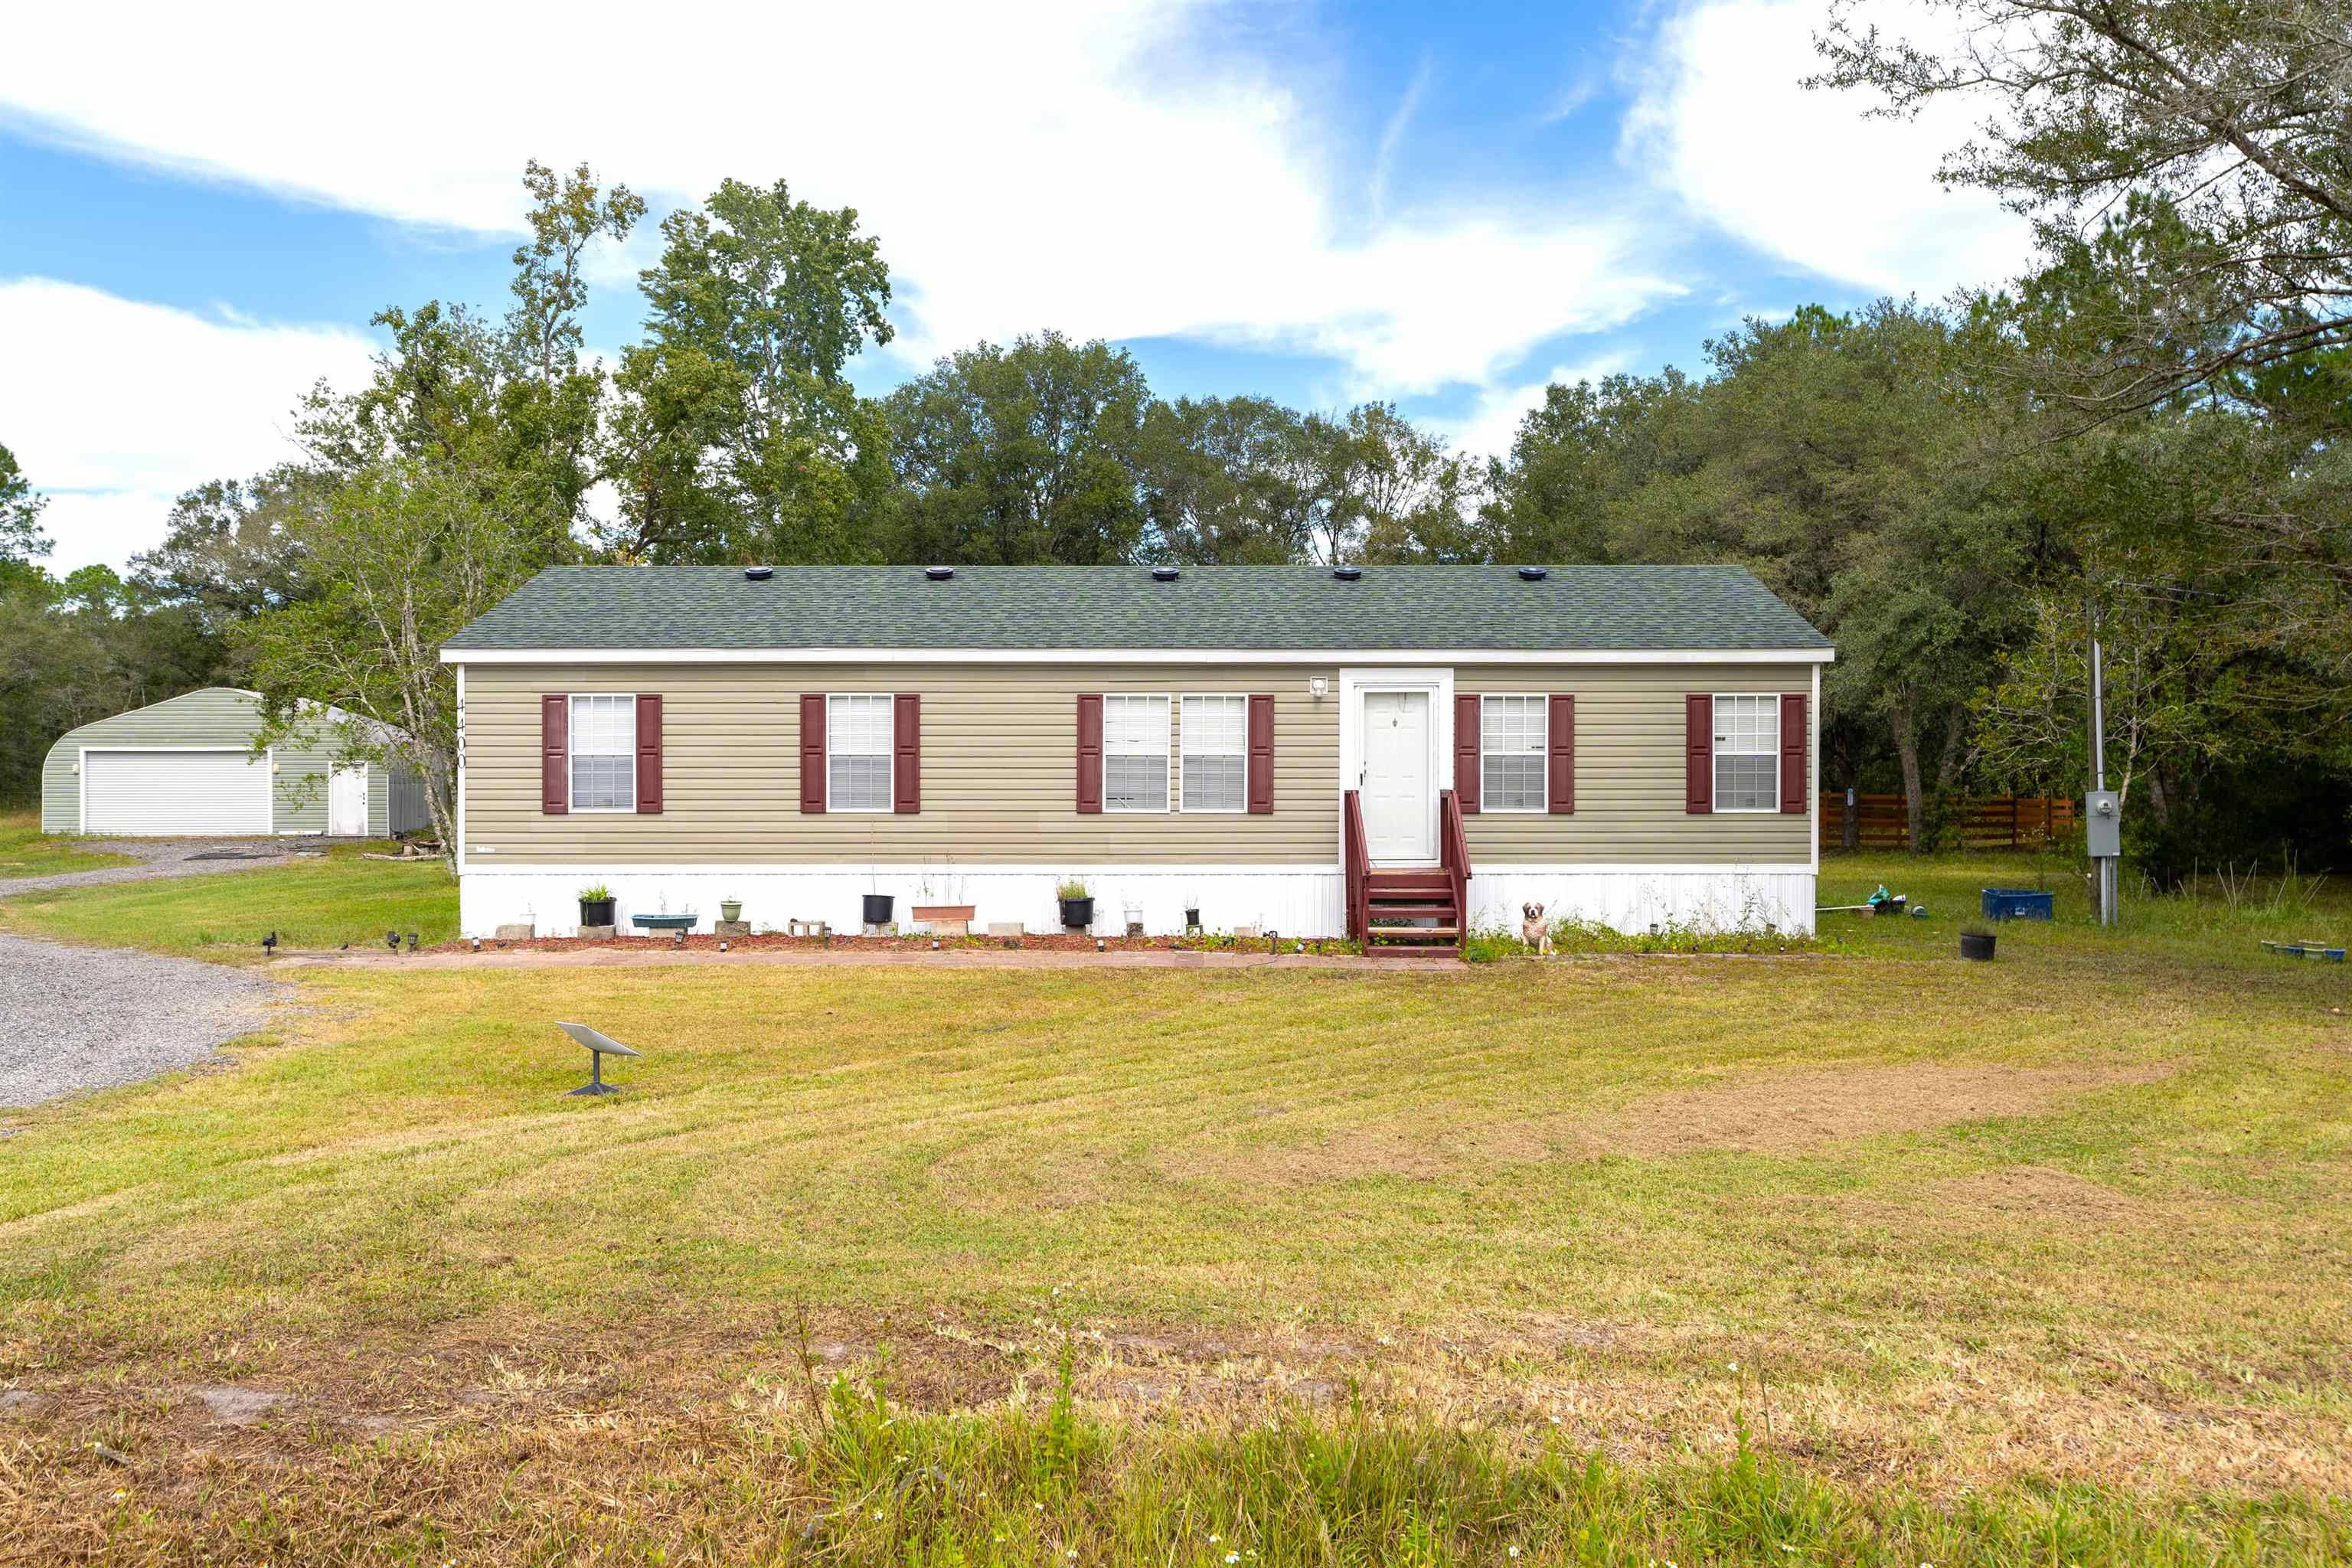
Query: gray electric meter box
[2102, 824]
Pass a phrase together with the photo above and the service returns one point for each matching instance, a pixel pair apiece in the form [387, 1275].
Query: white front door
[1399, 821]
[347, 801]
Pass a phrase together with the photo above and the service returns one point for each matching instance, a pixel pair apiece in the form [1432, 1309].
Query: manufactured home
[187, 767]
[1311, 750]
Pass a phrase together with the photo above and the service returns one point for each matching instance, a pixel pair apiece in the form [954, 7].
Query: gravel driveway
[81, 1018]
[76, 1017]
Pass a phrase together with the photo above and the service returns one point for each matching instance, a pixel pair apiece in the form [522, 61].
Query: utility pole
[2102, 828]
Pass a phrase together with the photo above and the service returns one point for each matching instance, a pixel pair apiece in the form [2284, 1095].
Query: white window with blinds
[857, 753]
[603, 743]
[1135, 754]
[1512, 735]
[1748, 753]
[1214, 737]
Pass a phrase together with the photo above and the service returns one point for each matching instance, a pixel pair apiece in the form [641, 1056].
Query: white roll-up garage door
[165, 793]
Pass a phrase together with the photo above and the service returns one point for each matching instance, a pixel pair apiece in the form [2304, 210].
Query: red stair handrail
[1360, 867]
[1453, 853]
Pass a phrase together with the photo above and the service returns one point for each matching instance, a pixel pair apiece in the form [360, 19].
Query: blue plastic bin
[2016, 904]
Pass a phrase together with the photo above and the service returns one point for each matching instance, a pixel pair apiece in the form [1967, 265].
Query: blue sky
[1444, 206]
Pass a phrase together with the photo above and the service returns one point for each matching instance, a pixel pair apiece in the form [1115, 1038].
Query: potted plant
[596, 906]
[940, 898]
[1077, 905]
[878, 905]
[939, 902]
[1976, 943]
[730, 909]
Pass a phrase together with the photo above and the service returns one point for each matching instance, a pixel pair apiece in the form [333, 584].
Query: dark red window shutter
[1466, 754]
[1698, 749]
[1090, 739]
[812, 753]
[649, 753]
[907, 766]
[1793, 737]
[1261, 755]
[1561, 733]
[555, 755]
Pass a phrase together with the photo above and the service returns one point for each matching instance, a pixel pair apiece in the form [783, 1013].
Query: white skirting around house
[1634, 897]
[1296, 901]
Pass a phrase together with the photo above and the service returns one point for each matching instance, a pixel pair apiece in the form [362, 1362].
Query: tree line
[2148, 428]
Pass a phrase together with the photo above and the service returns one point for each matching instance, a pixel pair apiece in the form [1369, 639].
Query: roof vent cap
[938, 573]
[1163, 574]
[1347, 573]
[1531, 574]
[759, 574]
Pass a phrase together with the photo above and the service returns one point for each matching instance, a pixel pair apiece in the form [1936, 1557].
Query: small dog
[1535, 930]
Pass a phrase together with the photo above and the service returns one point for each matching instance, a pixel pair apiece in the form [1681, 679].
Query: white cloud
[1489, 426]
[1392, 138]
[115, 407]
[1097, 167]
[1806, 175]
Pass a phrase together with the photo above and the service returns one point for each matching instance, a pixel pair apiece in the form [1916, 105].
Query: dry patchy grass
[2071, 1221]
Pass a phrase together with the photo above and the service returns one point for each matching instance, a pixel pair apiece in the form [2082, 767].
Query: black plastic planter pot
[877, 908]
[596, 911]
[1078, 914]
[1976, 945]
[1192, 918]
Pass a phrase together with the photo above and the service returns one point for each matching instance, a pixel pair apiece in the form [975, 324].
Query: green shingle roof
[1297, 608]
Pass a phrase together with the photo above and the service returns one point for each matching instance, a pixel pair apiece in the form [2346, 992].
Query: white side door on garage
[347, 793]
[167, 793]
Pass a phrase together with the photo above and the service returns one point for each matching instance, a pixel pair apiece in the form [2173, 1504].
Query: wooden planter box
[943, 919]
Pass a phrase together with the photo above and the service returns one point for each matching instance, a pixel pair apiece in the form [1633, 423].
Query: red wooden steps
[1396, 898]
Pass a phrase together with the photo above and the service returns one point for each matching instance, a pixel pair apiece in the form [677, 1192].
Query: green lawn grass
[2036, 1259]
[26, 851]
[312, 904]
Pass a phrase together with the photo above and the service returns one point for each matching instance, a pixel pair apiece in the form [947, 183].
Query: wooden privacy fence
[1977, 822]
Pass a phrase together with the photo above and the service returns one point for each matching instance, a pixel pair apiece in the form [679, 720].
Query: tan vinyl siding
[1629, 771]
[998, 785]
[998, 748]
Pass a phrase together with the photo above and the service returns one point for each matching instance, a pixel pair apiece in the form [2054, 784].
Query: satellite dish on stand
[600, 1046]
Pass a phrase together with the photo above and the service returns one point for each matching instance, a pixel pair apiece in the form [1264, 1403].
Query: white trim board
[1099, 655]
[1135, 868]
[1813, 773]
[938, 870]
[460, 803]
[1438, 681]
[1637, 868]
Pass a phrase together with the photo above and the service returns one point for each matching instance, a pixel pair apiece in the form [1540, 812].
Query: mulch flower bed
[1038, 942]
